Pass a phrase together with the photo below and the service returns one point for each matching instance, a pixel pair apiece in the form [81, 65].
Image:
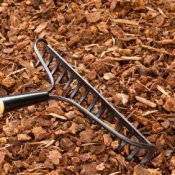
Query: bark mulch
[124, 48]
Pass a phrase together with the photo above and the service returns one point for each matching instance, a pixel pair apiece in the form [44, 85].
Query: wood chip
[169, 104]
[113, 4]
[2, 156]
[166, 41]
[161, 12]
[125, 58]
[107, 139]
[93, 17]
[149, 112]
[157, 50]
[39, 133]
[21, 45]
[140, 170]
[8, 50]
[125, 21]
[131, 58]
[2, 9]
[73, 128]
[55, 157]
[100, 167]
[23, 137]
[172, 162]
[161, 89]
[8, 82]
[58, 116]
[108, 76]
[49, 143]
[146, 102]
[121, 98]
[40, 27]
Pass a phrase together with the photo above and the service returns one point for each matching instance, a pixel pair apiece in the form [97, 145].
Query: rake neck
[9, 103]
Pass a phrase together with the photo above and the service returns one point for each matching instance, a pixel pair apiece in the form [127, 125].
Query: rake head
[76, 88]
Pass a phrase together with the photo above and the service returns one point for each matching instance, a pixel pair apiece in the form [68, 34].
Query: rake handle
[12, 102]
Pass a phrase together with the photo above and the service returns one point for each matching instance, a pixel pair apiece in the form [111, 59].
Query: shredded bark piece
[40, 27]
[146, 102]
[125, 21]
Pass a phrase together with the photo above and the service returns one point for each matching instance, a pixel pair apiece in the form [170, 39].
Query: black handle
[9, 103]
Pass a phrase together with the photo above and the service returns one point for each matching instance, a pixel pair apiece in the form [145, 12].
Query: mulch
[124, 48]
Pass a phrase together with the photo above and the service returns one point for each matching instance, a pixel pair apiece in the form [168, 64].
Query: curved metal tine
[123, 143]
[68, 83]
[37, 63]
[83, 97]
[42, 54]
[92, 104]
[111, 116]
[148, 156]
[49, 60]
[61, 76]
[75, 90]
[133, 153]
[99, 113]
[119, 128]
[55, 68]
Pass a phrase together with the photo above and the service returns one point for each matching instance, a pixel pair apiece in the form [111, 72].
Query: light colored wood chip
[2, 8]
[151, 9]
[93, 17]
[149, 112]
[129, 58]
[108, 76]
[161, 89]
[7, 50]
[166, 41]
[32, 64]
[17, 71]
[162, 50]
[49, 143]
[146, 102]
[100, 167]
[161, 12]
[40, 28]
[125, 21]
[113, 5]
[23, 137]
[58, 116]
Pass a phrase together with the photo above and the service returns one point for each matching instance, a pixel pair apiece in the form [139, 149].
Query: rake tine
[55, 68]
[148, 156]
[83, 97]
[92, 104]
[49, 60]
[37, 63]
[102, 109]
[119, 128]
[68, 83]
[110, 116]
[75, 90]
[42, 54]
[61, 76]
[124, 143]
[133, 153]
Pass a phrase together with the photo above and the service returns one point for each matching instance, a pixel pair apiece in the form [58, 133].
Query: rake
[76, 91]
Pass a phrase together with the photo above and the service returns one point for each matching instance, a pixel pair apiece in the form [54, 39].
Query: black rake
[76, 91]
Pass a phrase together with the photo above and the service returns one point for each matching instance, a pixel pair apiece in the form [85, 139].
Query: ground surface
[125, 48]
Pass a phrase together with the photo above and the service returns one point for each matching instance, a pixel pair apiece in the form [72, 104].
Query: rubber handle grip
[12, 102]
